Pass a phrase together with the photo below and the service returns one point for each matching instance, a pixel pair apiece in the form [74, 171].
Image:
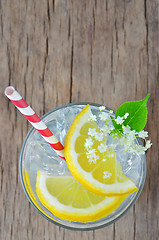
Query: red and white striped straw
[32, 117]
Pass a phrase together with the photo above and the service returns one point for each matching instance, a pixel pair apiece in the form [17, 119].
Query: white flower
[105, 129]
[102, 148]
[93, 158]
[88, 143]
[143, 134]
[107, 174]
[126, 115]
[104, 116]
[129, 138]
[112, 128]
[99, 136]
[92, 132]
[139, 149]
[90, 152]
[126, 129]
[92, 118]
[101, 108]
[104, 160]
[148, 144]
[111, 111]
[119, 120]
[132, 134]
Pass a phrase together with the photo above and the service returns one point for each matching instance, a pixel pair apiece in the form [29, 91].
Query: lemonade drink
[37, 155]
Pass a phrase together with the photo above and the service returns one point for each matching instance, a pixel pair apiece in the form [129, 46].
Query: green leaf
[137, 114]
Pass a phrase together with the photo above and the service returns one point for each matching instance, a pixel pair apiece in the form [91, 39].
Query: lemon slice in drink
[69, 200]
[97, 170]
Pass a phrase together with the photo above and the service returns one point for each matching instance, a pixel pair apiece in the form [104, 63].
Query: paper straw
[32, 117]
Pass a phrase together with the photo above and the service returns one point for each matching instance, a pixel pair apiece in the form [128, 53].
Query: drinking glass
[36, 155]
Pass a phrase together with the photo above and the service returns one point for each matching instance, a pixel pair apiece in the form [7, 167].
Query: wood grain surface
[60, 51]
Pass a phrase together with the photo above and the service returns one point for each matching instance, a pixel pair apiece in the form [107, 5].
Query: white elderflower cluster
[93, 118]
[102, 148]
[104, 116]
[122, 136]
[88, 143]
[120, 120]
[127, 139]
[91, 153]
[92, 132]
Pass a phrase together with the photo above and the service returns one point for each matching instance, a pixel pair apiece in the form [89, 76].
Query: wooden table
[60, 51]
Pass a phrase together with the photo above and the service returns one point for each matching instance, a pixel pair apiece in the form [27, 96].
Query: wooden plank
[152, 18]
[55, 52]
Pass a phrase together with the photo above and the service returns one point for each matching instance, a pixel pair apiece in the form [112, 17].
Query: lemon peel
[69, 200]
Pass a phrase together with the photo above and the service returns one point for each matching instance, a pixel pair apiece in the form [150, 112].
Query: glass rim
[61, 224]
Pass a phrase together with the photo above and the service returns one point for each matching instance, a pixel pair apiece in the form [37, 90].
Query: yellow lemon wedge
[95, 169]
[68, 199]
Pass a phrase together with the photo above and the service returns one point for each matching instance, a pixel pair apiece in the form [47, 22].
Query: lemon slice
[69, 200]
[96, 172]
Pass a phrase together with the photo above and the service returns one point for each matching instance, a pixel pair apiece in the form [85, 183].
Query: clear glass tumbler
[36, 155]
